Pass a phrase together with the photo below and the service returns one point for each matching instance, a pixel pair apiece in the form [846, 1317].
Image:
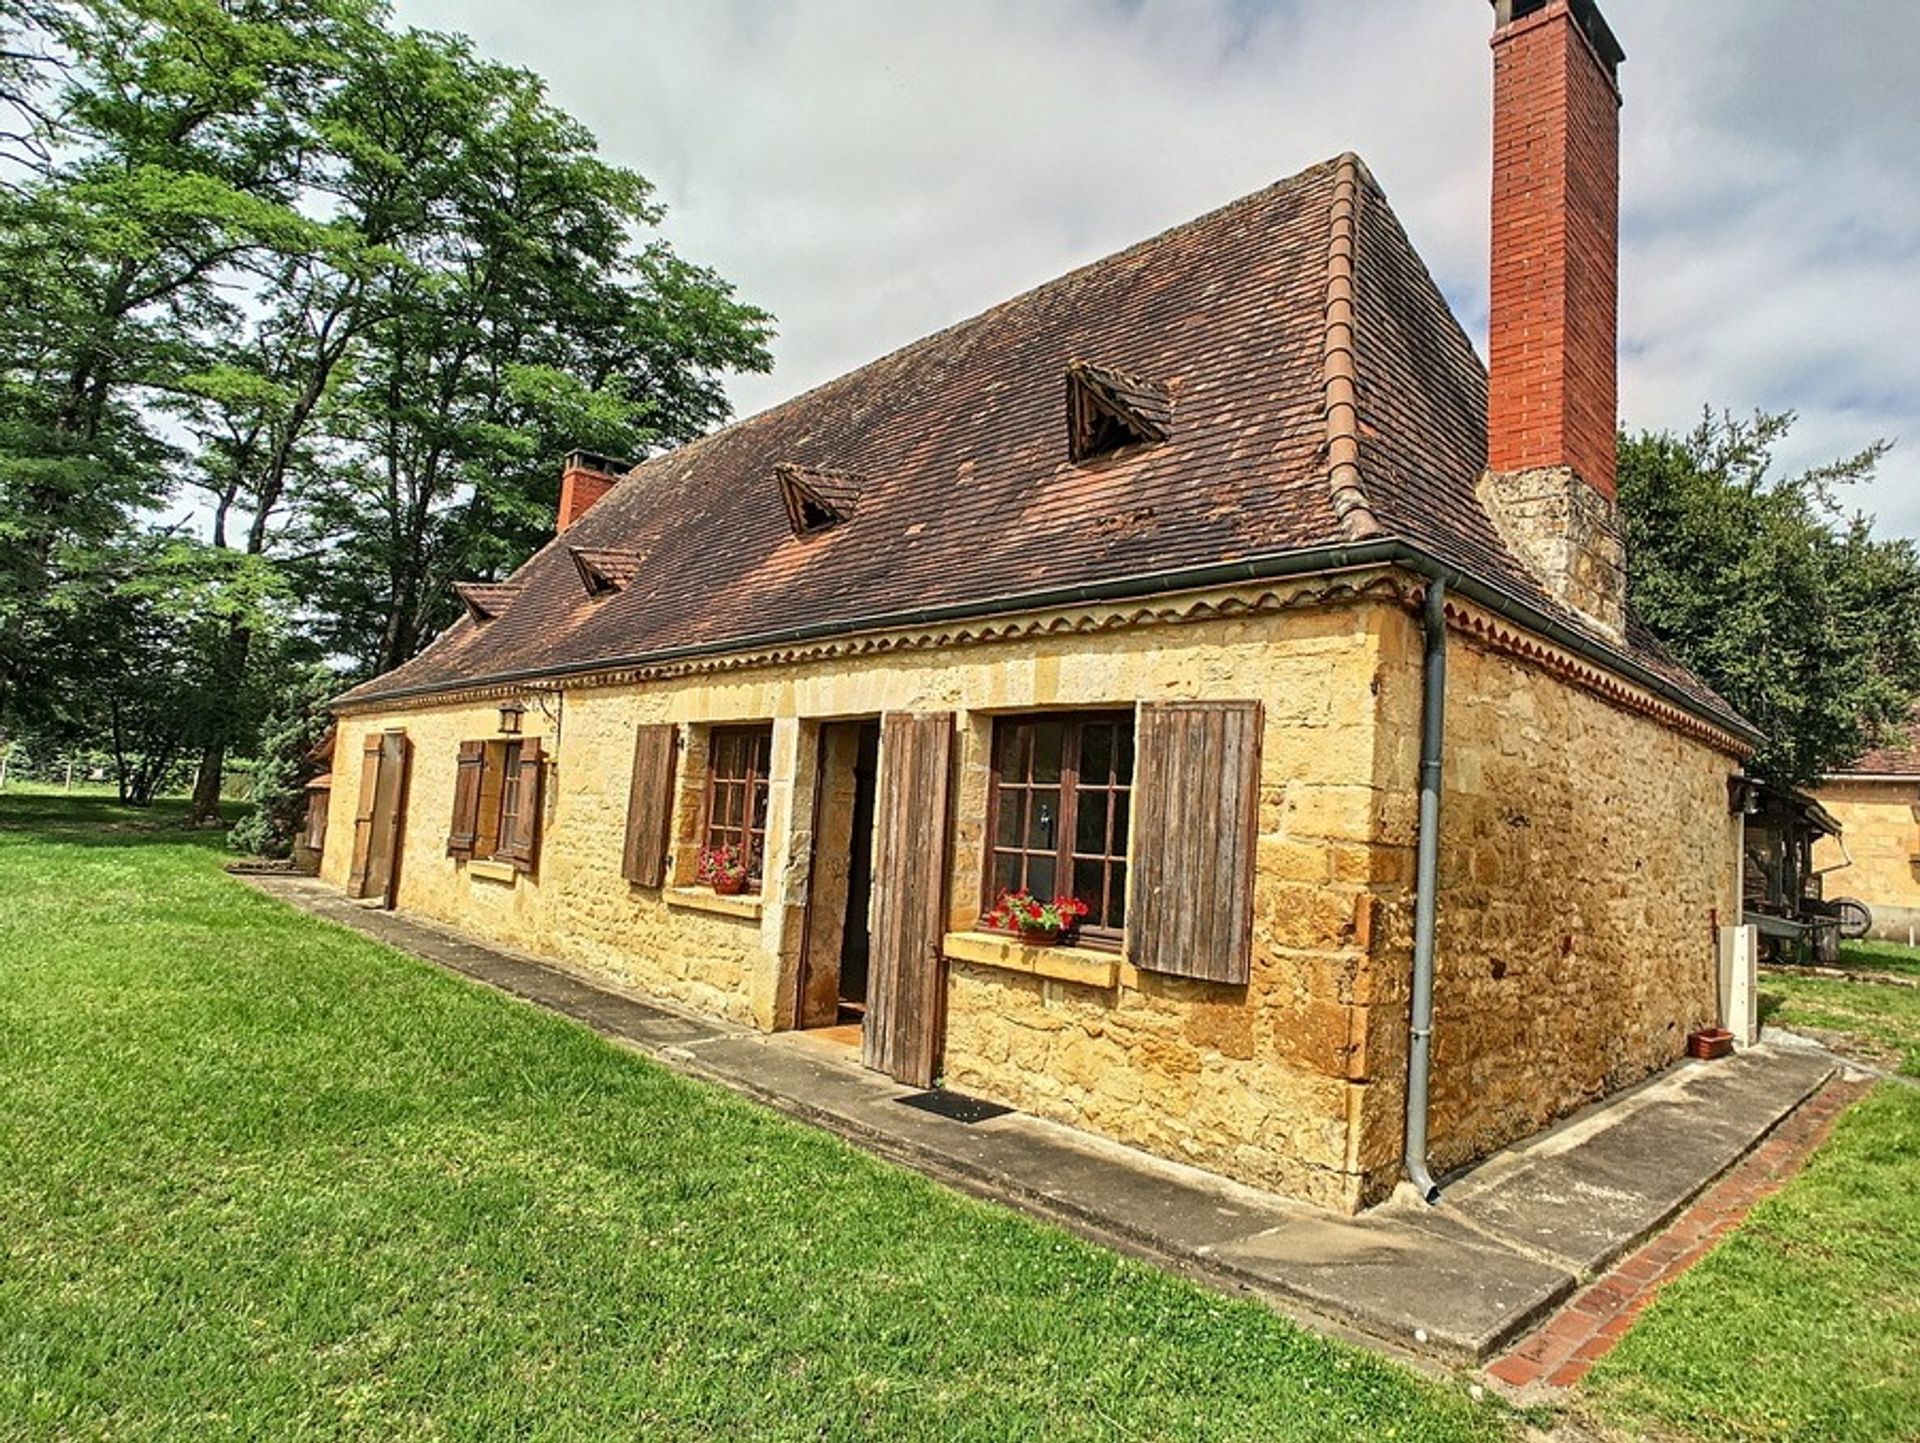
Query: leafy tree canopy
[333, 295]
[1776, 595]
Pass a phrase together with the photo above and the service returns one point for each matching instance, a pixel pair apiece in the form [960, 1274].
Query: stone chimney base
[1568, 534]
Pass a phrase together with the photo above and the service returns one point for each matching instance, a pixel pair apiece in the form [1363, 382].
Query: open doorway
[833, 985]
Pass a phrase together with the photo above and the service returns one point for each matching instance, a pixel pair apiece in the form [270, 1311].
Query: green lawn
[263, 1178]
[1805, 1322]
[1875, 1022]
[1889, 957]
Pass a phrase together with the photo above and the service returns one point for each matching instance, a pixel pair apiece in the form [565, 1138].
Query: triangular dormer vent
[1108, 409]
[485, 600]
[815, 497]
[605, 569]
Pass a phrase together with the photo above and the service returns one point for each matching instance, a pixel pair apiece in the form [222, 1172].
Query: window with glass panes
[738, 759]
[509, 755]
[1060, 810]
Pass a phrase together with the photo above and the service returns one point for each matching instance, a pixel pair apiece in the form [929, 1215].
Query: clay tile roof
[485, 600]
[1320, 393]
[605, 568]
[1898, 756]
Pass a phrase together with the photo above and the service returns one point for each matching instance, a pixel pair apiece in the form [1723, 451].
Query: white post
[1739, 980]
[69, 786]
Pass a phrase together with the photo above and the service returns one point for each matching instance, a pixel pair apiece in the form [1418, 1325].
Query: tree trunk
[230, 675]
[204, 810]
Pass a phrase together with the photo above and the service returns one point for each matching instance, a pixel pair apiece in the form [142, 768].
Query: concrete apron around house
[1511, 1240]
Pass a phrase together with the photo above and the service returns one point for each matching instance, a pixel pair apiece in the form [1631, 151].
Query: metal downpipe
[1433, 715]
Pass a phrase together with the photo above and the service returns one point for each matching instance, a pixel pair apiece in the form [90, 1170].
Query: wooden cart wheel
[1856, 918]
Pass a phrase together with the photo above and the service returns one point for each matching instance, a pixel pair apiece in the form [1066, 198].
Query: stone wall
[1587, 853]
[1585, 847]
[1883, 839]
[1249, 1080]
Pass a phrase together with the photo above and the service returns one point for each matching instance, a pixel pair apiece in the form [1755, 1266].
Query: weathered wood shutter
[650, 805]
[465, 832]
[388, 812]
[363, 816]
[906, 993]
[522, 846]
[1196, 802]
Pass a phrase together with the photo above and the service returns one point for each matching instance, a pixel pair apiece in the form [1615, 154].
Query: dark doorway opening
[833, 984]
[855, 943]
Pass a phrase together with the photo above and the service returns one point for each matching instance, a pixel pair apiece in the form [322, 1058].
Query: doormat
[956, 1105]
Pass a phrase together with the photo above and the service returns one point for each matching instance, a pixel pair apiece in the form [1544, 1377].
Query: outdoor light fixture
[510, 714]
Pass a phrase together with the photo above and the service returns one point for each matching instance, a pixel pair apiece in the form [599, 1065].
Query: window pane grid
[1055, 778]
[509, 794]
[738, 763]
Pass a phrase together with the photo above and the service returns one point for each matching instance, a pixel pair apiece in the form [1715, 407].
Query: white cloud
[873, 171]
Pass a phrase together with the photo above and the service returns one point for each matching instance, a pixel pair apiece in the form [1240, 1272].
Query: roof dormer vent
[815, 497]
[485, 600]
[1108, 409]
[604, 569]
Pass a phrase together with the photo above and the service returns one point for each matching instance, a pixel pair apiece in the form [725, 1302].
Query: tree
[175, 150]
[133, 633]
[298, 725]
[523, 324]
[349, 288]
[1787, 606]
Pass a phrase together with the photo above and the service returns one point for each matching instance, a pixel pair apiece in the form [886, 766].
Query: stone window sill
[491, 871]
[705, 899]
[1061, 964]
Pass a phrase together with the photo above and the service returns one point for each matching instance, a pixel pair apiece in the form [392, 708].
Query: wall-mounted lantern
[510, 714]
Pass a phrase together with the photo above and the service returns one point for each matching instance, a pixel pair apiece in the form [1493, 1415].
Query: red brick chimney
[585, 480]
[1552, 336]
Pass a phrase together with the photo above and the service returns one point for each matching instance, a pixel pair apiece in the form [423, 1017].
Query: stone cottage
[1877, 801]
[1216, 584]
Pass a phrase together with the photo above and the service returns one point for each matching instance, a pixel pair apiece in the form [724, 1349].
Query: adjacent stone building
[1162, 586]
[1877, 801]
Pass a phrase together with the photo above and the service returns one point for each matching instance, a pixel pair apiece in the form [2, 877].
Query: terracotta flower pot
[729, 886]
[1040, 936]
[1709, 1042]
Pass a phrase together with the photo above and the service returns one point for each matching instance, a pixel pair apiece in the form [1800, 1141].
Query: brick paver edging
[1559, 1354]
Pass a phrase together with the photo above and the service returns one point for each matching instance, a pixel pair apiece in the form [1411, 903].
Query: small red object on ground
[1710, 1042]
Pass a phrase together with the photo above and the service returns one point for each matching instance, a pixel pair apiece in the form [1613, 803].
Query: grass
[264, 1178]
[1805, 1322]
[1878, 1023]
[1889, 957]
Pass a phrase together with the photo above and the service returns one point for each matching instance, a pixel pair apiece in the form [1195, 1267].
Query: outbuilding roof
[1899, 756]
[1310, 386]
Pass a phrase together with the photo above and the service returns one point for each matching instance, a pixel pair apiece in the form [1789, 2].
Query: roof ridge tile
[1340, 391]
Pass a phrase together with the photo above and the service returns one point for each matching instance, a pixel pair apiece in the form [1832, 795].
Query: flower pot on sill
[1041, 936]
[729, 886]
[1710, 1042]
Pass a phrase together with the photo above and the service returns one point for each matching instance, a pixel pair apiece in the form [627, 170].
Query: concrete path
[1510, 1241]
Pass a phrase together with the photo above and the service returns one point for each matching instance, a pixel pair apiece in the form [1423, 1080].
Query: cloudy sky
[872, 170]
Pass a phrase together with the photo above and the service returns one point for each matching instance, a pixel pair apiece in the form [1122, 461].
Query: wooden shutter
[389, 814]
[363, 816]
[1196, 802]
[906, 995]
[465, 832]
[522, 847]
[650, 805]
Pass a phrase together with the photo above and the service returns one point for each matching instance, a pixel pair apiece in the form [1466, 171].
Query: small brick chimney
[584, 481]
[1552, 336]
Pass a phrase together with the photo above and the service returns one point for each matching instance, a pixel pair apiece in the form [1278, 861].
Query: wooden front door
[906, 983]
[376, 824]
